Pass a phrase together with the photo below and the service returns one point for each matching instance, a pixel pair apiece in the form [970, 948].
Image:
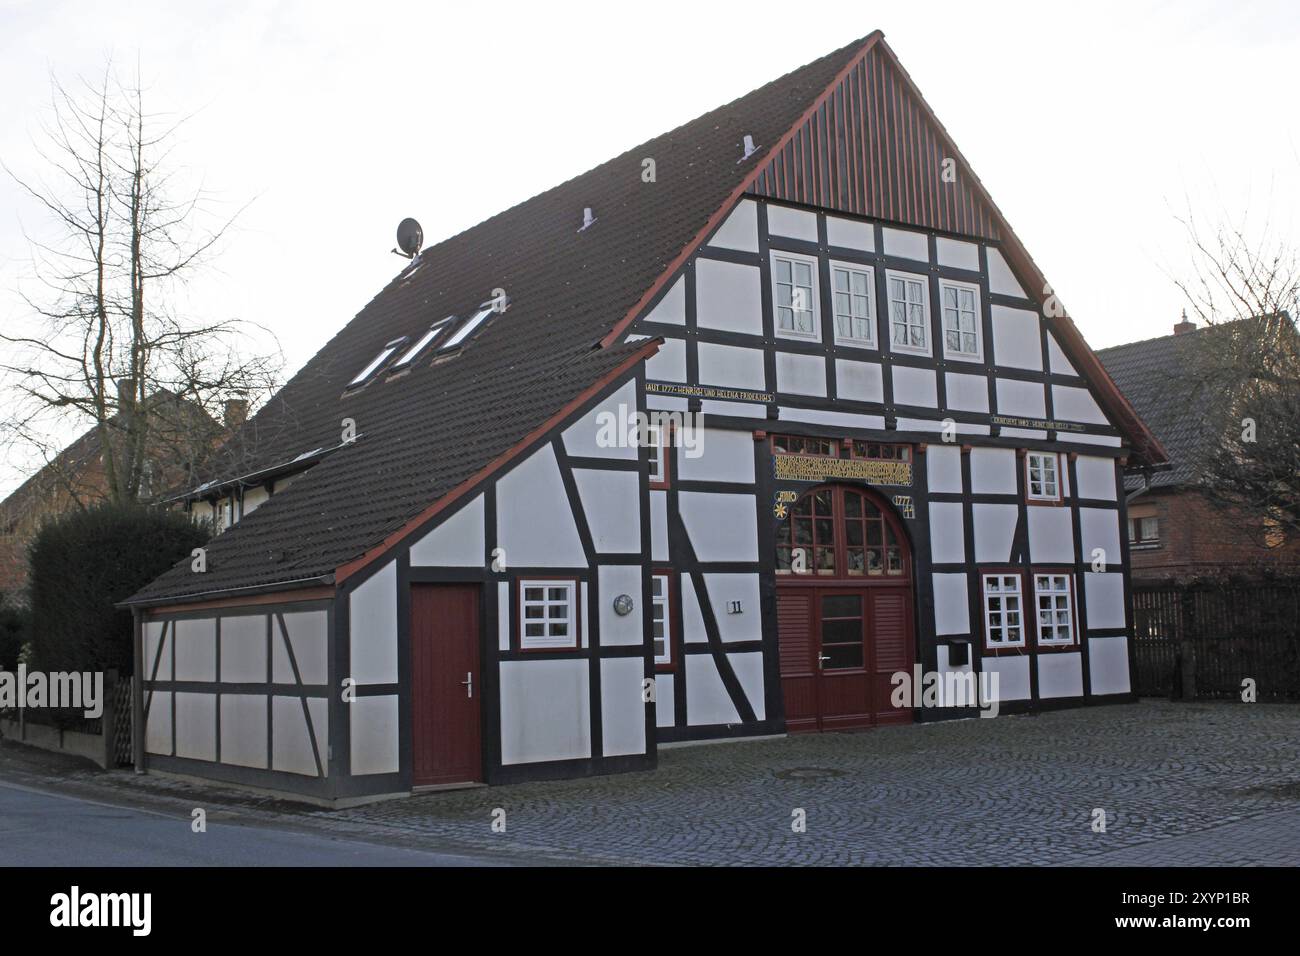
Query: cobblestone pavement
[1215, 783]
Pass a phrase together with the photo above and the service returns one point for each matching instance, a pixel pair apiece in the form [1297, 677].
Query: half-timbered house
[719, 439]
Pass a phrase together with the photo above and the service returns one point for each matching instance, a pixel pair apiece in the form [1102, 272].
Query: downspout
[1146, 486]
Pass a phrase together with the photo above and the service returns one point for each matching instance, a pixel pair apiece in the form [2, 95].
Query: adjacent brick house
[1174, 531]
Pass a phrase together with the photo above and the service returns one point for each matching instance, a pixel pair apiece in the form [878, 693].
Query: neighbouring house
[181, 435]
[711, 441]
[1174, 530]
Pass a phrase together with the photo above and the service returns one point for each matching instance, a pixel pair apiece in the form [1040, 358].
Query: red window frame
[521, 620]
[831, 445]
[890, 537]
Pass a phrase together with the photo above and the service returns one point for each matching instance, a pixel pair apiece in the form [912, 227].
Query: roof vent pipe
[750, 148]
[588, 217]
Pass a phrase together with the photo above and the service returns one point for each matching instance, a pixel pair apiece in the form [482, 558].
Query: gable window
[367, 373]
[853, 291]
[422, 343]
[909, 312]
[1044, 475]
[794, 284]
[961, 323]
[660, 620]
[1143, 528]
[548, 615]
[1003, 624]
[466, 330]
[1055, 609]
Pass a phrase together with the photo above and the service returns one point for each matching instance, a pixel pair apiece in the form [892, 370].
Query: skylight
[369, 371]
[472, 323]
[421, 344]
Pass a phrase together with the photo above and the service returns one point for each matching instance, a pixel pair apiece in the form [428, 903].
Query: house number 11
[733, 607]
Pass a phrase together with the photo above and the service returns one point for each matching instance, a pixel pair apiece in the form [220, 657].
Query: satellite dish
[410, 237]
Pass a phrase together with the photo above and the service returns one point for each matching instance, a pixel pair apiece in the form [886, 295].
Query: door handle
[823, 658]
[468, 683]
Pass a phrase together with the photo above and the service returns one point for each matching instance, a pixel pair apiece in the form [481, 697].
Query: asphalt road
[39, 828]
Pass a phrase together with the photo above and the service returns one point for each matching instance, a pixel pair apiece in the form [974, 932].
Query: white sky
[1092, 125]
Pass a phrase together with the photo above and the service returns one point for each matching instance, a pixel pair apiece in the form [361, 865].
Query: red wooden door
[445, 684]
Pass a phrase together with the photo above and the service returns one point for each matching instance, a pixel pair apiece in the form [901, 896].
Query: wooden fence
[1206, 638]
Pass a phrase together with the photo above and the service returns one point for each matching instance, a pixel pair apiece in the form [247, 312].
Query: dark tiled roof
[425, 432]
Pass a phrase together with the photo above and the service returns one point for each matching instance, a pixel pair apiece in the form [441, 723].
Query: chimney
[1183, 327]
[125, 398]
[236, 410]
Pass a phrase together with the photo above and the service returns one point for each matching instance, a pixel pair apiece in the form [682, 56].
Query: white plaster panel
[613, 580]
[723, 455]
[748, 668]
[243, 649]
[668, 364]
[1056, 359]
[721, 527]
[740, 229]
[610, 500]
[458, 542]
[1108, 661]
[158, 723]
[1013, 676]
[724, 588]
[818, 417]
[1076, 405]
[693, 631]
[373, 739]
[1021, 399]
[153, 631]
[943, 469]
[728, 296]
[1060, 675]
[243, 729]
[582, 438]
[798, 374]
[947, 533]
[859, 381]
[584, 620]
[1109, 441]
[1036, 433]
[1015, 339]
[738, 409]
[665, 701]
[957, 254]
[671, 309]
[309, 638]
[668, 403]
[1096, 477]
[503, 615]
[906, 244]
[731, 366]
[534, 522]
[1099, 528]
[622, 709]
[951, 611]
[995, 529]
[373, 634]
[993, 471]
[196, 649]
[293, 734]
[850, 234]
[1001, 280]
[915, 386]
[967, 393]
[1051, 535]
[196, 726]
[544, 711]
[707, 700]
[658, 526]
[794, 223]
[1105, 596]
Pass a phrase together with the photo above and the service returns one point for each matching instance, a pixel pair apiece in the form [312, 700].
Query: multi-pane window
[838, 532]
[852, 292]
[804, 445]
[880, 451]
[546, 610]
[960, 319]
[1044, 475]
[1055, 614]
[659, 621]
[908, 315]
[654, 438]
[1143, 529]
[1003, 626]
[796, 296]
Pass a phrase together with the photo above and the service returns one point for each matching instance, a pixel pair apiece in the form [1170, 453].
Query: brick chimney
[1183, 327]
[235, 411]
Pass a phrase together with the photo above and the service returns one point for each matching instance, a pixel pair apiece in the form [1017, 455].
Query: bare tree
[107, 344]
[1245, 374]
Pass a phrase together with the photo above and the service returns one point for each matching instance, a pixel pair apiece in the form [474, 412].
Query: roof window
[367, 373]
[467, 329]
[424, 341]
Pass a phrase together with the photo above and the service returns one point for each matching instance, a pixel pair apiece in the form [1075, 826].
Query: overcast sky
[1093, 126]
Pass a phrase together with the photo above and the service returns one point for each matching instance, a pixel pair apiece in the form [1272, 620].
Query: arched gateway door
[844, 610]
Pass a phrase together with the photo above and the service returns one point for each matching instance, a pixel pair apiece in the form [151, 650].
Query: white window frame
[1061, 595]
[852, 342]
[371, 370]
[1042, 494]
[1002, 625]
[1135, 539]
[547, 641]
[816, 334]
[407, 358]
[978, 354]
[658, 457]
[661, 604]
[891, 274]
